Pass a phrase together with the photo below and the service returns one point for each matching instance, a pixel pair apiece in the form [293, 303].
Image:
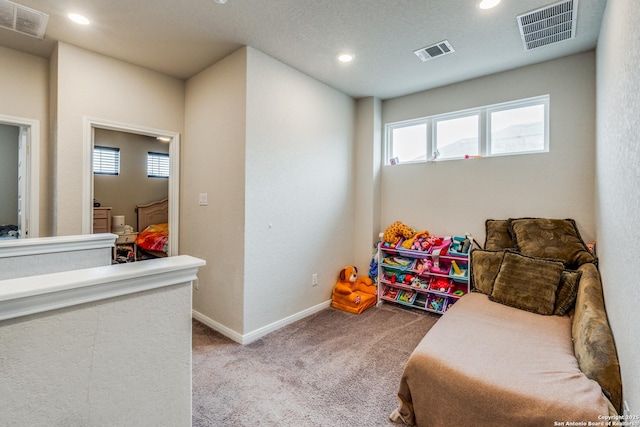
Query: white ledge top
[46, 245]
[35, 294]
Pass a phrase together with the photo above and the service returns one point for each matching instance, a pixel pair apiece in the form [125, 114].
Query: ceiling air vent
[550, 24]
[433, 51]
[22, 19]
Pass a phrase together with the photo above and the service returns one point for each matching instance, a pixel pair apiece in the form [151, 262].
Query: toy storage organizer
[431, 280]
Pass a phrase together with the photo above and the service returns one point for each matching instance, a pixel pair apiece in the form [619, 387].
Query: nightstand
[101, 220]
[125, 249]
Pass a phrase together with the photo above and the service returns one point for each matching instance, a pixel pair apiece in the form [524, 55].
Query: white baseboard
[260, 332]
[218, 327]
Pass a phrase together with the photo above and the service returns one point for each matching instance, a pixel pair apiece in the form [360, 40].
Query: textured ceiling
[181, 38]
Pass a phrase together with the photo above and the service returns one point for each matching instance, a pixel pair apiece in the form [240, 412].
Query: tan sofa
[496, 360]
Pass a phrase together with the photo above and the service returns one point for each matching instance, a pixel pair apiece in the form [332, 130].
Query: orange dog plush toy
[352, 293]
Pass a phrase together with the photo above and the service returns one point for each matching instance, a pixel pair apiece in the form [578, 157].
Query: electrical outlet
[314, 279]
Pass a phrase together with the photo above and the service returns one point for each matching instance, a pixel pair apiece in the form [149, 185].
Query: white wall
[273, 148]
[617, 182]
[22, 266]
[88, 84]
[458, 196]
[299, 190]
[367, 168]
[24, 87]
[44, 255]
[213, 162]
[120, 361]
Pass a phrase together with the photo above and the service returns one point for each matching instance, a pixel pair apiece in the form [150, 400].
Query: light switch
[202, 199]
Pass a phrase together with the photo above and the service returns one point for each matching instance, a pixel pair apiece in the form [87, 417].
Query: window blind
[106, 160]
[157, 165]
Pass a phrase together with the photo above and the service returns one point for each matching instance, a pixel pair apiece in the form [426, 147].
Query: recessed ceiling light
[220, 1]
[79, 19]
[163, 139]
[345, 57]
[488, 4]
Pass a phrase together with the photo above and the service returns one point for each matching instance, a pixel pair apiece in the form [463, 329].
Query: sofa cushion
[550, 238]
[490, 365]
[498, 236]
[527, 283]
[567, 291]
[593, 341]
[484, 268]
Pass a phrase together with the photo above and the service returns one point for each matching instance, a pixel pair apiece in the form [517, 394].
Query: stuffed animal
[424, 264]
[441, 284]
[396, 231]
[352, 293]
[403, 278]
[420, 242]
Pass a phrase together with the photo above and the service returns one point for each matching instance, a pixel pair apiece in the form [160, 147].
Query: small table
[123, 240]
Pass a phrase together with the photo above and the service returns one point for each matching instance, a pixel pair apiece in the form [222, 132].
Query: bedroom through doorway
[129, 171]
[19, 177]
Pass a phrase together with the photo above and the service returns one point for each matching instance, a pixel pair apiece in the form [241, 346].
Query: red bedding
[154, 238]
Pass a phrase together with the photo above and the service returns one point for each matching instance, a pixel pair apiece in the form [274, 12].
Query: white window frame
[529, 102]
[484, 129]
[432, 143]
[397, 125]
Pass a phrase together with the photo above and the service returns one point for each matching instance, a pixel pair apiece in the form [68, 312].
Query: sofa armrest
[593, 341]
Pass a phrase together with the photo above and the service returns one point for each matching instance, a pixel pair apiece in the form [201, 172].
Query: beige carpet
[330, 369]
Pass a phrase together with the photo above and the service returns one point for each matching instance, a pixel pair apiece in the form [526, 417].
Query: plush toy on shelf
[422, 241]
[353, 293]
[397, 231]
[441, 284]
[404, 278]
[424, 264]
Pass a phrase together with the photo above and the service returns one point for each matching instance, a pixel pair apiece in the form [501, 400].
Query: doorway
[172, 140]
[19, 185]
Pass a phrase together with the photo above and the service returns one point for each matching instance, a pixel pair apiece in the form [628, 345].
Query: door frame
[91, 123]
[30, 212]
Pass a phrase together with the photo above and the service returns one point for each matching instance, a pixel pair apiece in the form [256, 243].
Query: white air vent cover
[550, 24]
[435, 50]
[22, 19]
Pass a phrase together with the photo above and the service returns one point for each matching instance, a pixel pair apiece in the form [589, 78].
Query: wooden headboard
[152, 213]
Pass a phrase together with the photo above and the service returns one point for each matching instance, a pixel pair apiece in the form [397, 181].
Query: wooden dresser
[102, 220]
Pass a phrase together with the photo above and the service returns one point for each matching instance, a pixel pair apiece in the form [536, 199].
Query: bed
[497, 358]
[153, 229]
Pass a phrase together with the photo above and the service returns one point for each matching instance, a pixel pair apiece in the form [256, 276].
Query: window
[409, 143]
[106, 160]
[157, 165]
[517, 127]
[517, 130]
[456, 137]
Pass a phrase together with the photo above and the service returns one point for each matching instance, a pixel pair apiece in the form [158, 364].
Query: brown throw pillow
[498, 235]
[550, 238]
[567, 291]
[484, 268]
[527, 283]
